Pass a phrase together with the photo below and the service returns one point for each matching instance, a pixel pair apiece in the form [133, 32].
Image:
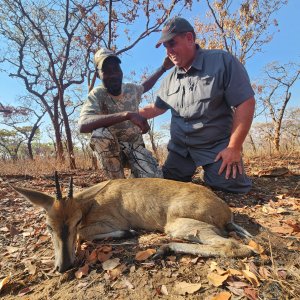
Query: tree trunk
[29, 147]
[94, 162]
[153, 145]
[70, 147]
[252, 143]
[59, 145]
[276, 139]
[32, 134]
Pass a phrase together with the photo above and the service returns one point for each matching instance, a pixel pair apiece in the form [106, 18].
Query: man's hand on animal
[231, 162]
[140, 121]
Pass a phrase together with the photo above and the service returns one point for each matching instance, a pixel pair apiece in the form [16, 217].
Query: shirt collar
[197, 63]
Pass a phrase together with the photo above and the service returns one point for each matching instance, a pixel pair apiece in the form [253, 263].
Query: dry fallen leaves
[222, 296]
[216, 279]
[83, 271]
[116, 272]
[164, 290]
[24, 291]
[12, 230]
[264, 273]
[110, 264]
[128, 284]
[104, 253]
[257, 248]
[182, 288]
[251, 293]
[143, 255]
[294, 224]
[92, 258]
[4, 282]
[282, 229]
[31, 268]
[237, 287]
[251, 277]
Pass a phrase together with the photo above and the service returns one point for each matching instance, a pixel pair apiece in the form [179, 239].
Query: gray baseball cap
[173, 27]
[101, 55]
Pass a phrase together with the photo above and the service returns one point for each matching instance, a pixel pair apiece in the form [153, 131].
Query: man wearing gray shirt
[212, 106]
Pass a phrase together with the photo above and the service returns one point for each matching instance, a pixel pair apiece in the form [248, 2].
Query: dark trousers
[177, 167]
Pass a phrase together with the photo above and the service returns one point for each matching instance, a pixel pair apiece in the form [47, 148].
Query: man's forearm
[242, 121]
[151, 80]
[150, 111]
[95, 122]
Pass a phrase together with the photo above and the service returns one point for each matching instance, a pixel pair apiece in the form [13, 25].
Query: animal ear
[90, 193]
[37, 198]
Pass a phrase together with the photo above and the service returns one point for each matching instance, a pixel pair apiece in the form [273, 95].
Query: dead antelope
[113, 208]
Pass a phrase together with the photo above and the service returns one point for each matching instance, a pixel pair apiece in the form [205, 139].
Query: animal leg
[118, 234]
[213, 244]
[92, 233]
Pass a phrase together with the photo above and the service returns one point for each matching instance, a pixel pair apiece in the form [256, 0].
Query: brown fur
[182, 210]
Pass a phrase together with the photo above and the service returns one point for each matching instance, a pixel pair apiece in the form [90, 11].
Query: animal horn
[70, 192]
[58, 191]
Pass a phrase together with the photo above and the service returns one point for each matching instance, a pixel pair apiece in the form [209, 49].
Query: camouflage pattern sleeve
[133, 94]
[140, 91]
[92, 104]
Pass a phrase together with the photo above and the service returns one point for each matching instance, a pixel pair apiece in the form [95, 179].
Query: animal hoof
[162, 252]
[132, 233]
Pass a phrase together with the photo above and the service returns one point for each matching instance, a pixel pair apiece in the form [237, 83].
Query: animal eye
[78, 222]
[49, 228]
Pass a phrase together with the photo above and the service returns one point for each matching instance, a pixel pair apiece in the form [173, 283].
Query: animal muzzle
[64, 265]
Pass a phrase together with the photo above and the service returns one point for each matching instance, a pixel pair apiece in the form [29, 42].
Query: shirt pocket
[204, 88]
[173, 95]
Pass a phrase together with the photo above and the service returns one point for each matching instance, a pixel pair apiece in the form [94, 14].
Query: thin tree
[44, 54]
[11, 141]
[241, 29]
[24, 121]
[50, 45]
[275, 94]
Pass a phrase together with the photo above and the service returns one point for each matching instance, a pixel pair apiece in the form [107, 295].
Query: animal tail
[239, 230]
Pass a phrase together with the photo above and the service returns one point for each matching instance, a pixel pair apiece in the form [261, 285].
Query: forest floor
[123, 269]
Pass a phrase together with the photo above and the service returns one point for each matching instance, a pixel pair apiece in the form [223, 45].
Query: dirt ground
[270, 212]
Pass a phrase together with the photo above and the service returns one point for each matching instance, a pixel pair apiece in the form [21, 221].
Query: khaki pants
[114, 155]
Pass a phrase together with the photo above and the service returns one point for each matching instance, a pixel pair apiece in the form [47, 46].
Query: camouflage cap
[101, 55]
[173, 27]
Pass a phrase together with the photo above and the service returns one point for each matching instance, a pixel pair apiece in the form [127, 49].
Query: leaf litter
[118, 269]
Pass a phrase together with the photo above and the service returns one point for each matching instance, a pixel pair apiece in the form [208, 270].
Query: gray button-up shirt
[202, 102]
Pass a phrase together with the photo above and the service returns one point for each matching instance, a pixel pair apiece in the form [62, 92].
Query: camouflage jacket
[99, 102]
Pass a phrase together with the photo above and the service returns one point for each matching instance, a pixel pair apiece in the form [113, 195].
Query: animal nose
[63, 268]
[59, 269]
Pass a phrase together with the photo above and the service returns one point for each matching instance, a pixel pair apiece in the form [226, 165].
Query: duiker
[115, 208]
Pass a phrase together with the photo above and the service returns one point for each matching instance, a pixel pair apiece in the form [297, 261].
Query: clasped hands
[139, 121]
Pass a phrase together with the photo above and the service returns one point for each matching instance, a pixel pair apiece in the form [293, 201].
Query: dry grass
[40, 165]
[255, 210]
[266, 161]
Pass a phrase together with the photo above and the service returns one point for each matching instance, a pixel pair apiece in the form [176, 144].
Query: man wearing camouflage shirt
[110, 113]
